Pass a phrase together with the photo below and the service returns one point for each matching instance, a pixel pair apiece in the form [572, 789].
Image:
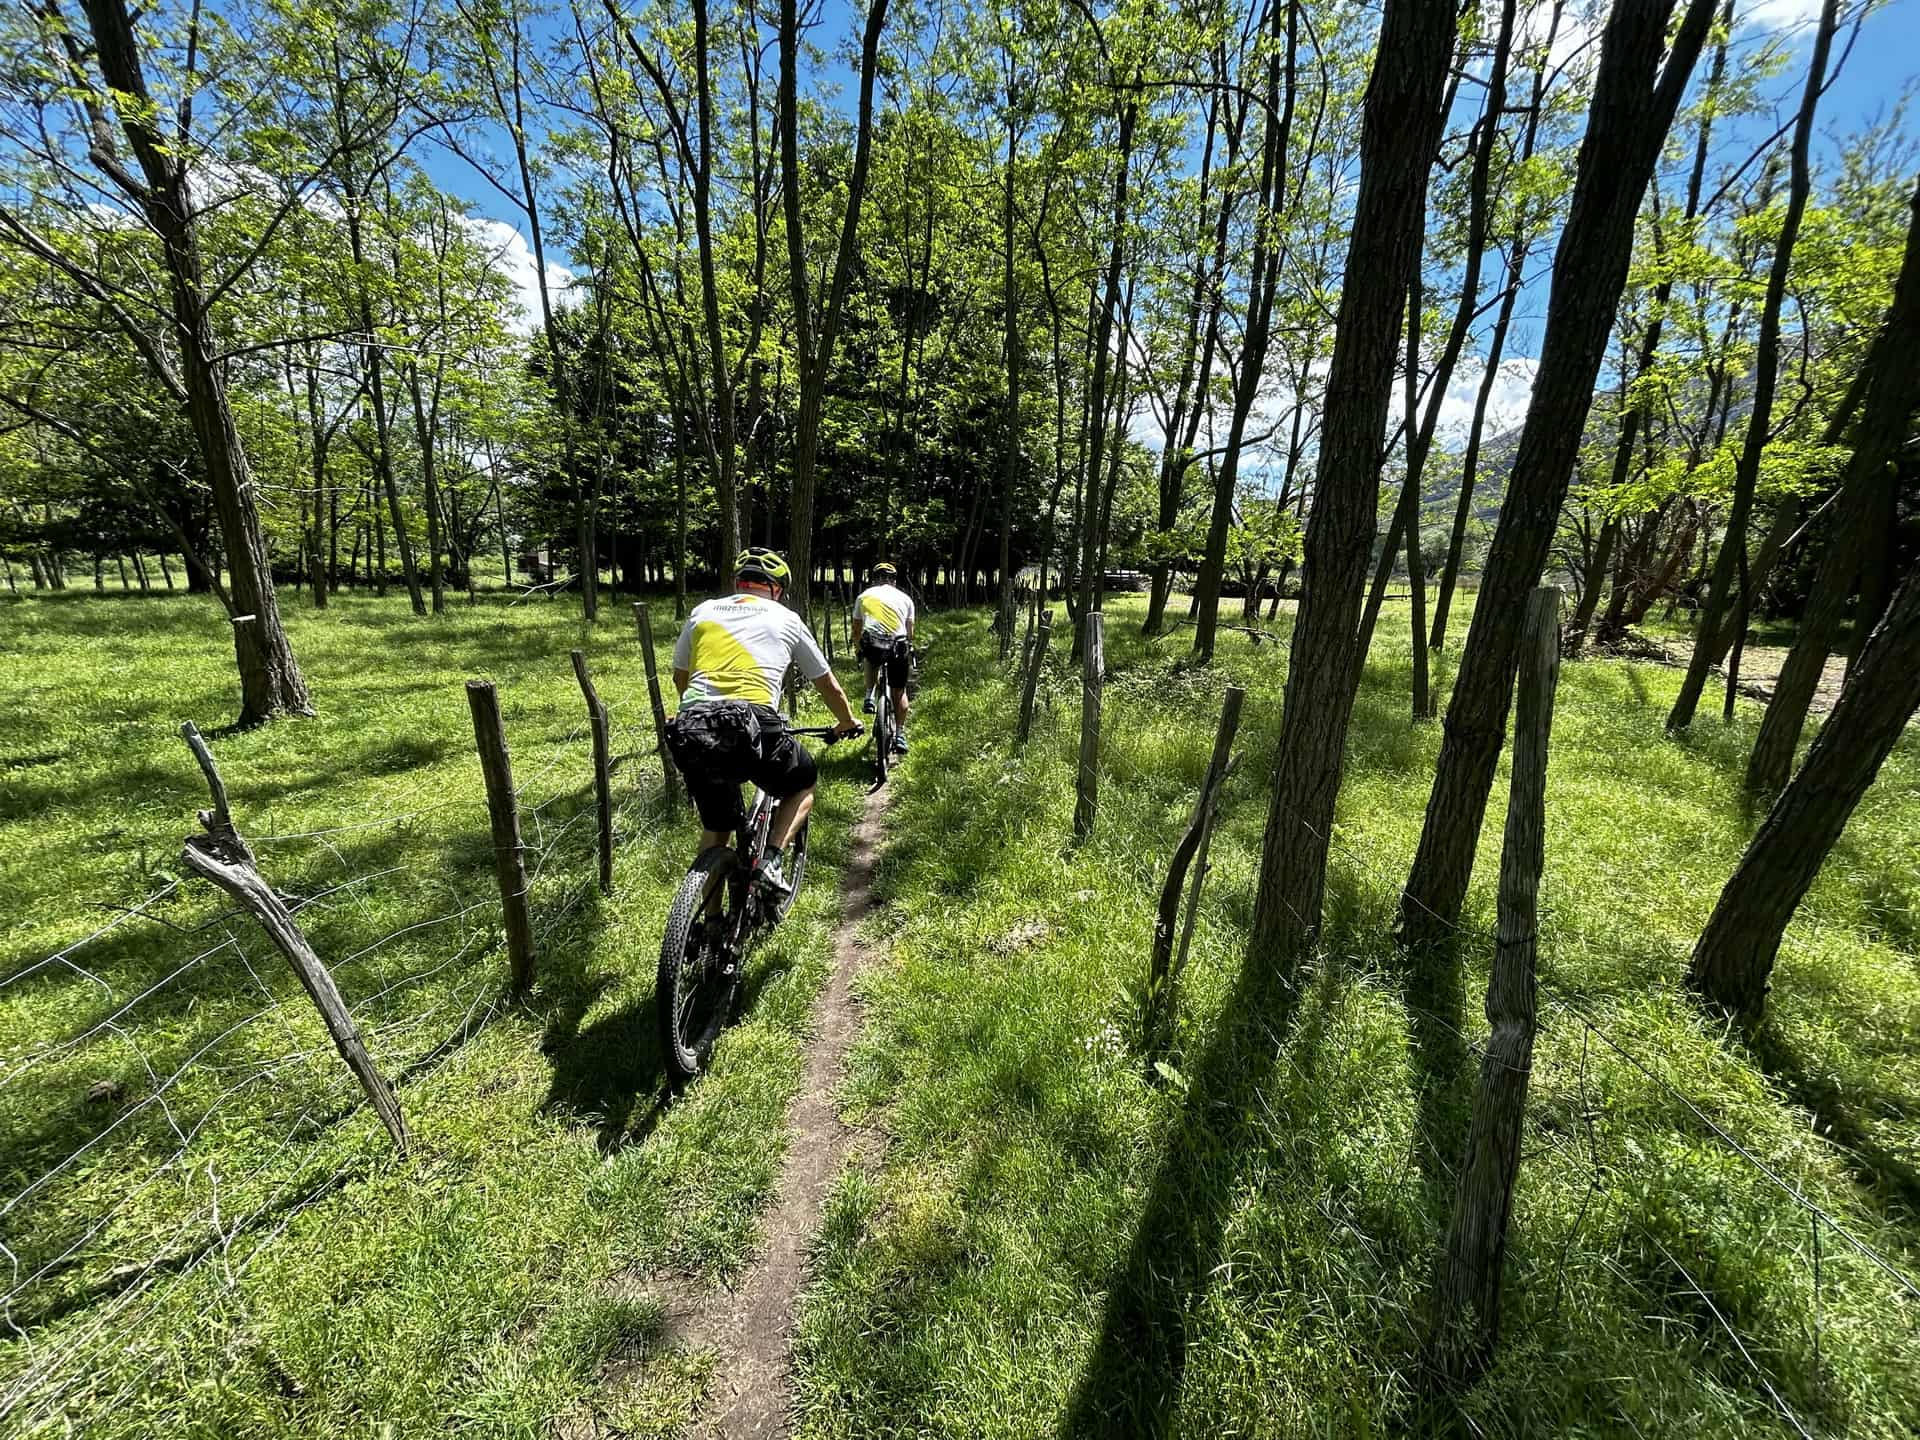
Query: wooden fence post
[602, 763]
[1467, 1292]
[1086, 802]
[1031, 682]
[645, 622]
[223, 857]
[1164, 969]
[503, 809]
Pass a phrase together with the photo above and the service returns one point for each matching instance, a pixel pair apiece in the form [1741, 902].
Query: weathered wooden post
[1032, 681]
[503, 809]
[1086, 801]
[602, 764]
[223, 857]
[645, 622]
[1163, 971]
[1467, 1290]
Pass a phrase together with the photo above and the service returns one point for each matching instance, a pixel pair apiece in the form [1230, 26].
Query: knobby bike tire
[689, 1023]
[883, 734]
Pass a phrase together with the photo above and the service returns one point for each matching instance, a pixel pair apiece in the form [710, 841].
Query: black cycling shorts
[894, 654]
[719, 745]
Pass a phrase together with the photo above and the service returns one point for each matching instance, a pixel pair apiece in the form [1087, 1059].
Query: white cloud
[1506, 405]
[513, 258]
[1780, 14]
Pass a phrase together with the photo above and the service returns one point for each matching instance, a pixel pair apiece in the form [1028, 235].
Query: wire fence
[173, 1103]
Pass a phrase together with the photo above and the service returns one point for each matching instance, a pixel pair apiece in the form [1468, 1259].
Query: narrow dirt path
[751, 1326]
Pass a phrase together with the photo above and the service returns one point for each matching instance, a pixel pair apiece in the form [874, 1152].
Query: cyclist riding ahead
[886, 638]
[729, 665]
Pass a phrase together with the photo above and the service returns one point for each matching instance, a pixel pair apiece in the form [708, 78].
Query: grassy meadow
[222, 1243]
[207, 1237]
[1055, 1245]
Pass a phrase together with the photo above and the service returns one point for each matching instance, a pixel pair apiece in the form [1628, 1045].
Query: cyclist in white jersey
[886, 615]
[729, 666]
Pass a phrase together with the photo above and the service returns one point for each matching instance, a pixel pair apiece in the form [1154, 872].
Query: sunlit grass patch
[1276, 1196]
[310, 1282]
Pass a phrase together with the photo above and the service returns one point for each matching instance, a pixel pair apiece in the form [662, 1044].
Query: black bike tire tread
[673, 950]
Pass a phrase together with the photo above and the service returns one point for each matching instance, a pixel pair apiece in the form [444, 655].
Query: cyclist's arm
[829, 687]
[680, 679]
[813, 664]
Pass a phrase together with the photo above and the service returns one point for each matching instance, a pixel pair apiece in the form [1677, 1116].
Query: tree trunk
[1634, 100]
[1631, 415]
[1263, 282]
[1729, 565]
[1400, 132]
[1893, 391]
[1098, 399]
[815, 336]
[1733, 962]
[270, 680]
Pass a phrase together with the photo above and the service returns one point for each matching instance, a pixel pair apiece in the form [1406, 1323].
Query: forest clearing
[910, 718]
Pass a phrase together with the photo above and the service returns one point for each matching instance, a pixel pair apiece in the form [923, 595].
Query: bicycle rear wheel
[697, 976]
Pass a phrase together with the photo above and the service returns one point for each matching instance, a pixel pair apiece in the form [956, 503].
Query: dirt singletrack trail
[751, 1326]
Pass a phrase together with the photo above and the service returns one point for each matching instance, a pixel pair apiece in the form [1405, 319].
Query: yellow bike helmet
[756, 562]
[883, 569]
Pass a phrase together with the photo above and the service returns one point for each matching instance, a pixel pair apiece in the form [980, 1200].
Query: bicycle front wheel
[698, 971]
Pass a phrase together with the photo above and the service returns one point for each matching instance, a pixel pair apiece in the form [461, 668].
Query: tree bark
[1733, 962]
[1634, 101]
[270, 680]
[1893, 391]
[1729, 566]
[814, 337]
[1400, 132]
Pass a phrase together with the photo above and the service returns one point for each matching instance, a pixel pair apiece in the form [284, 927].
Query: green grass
[1053, 1245]
[1049, 1244]
[239, 1252]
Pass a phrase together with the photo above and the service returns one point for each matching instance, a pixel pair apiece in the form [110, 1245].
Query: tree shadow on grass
[1893, 1181]
[1132, 1382]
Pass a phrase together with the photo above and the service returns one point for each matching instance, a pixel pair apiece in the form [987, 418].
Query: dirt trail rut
[751, 1326]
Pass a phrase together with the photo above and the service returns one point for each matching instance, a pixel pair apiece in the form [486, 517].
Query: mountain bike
[721, 906]
[885, 726]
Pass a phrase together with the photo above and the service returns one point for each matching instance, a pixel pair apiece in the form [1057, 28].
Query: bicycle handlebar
[828, 733]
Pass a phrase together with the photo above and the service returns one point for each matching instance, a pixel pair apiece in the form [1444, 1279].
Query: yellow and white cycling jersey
[885, 611]
[738, 648]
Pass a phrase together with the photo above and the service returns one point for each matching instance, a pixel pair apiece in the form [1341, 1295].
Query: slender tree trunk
[270, 680]
[1399, 134]
[1733, 962]
[1420, 429]
[815, 335]
[1893, 391]
[1729, 566]
[1496, 353]
[1098, 400]
[1635, 97]
[1263, 281]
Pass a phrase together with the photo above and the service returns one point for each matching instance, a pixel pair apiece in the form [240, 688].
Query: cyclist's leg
[788, 774]
[897, 667]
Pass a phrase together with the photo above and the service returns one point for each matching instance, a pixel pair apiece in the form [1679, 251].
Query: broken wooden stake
[223, 857]
[602, 765]
[1165, 966]
[503, 812]
[667, 772]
